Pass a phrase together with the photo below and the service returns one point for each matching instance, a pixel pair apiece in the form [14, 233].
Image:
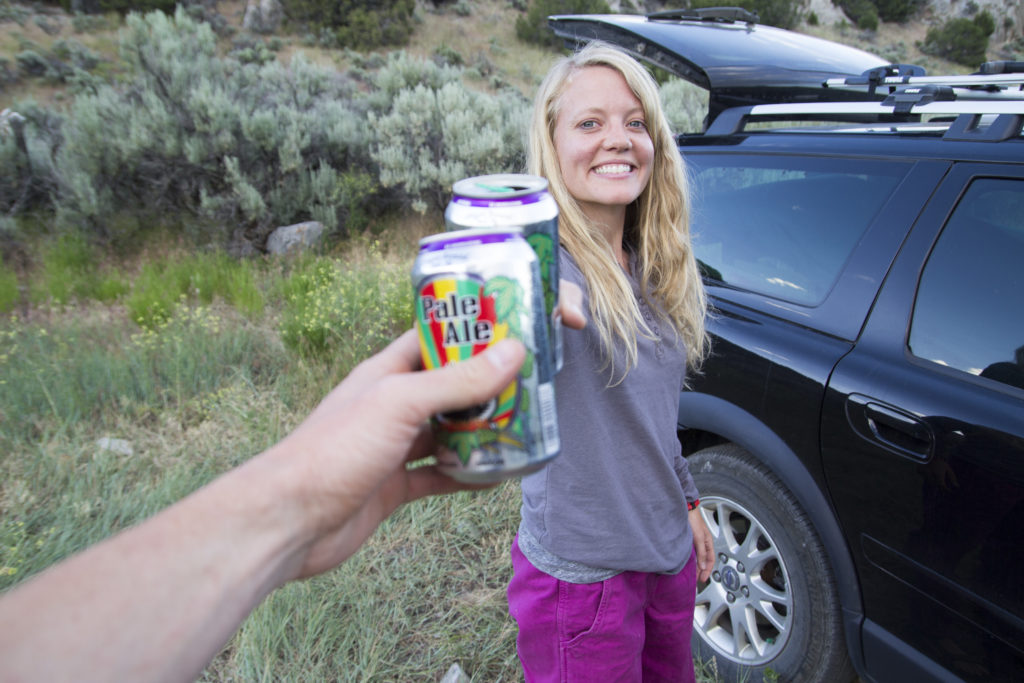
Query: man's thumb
[470, 382]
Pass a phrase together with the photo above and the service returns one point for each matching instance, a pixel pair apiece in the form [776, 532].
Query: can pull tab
[501, 188]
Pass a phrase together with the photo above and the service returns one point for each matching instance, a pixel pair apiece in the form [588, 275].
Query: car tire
[770, 611]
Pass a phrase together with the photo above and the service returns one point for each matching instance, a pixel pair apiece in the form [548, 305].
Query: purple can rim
[479, 202]
[446, 240]
[500, 189]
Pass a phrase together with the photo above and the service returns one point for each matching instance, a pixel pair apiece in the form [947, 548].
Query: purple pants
[633, 627]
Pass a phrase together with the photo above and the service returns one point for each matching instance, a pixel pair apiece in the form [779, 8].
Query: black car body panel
[855, 426]
[867, 290]
[946, 448]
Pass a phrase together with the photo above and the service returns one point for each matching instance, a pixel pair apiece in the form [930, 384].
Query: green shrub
[249, 50]
[65, 61]
[12, 12]
[985, 22]
[401, 71]
[533, 28]
[431, 138]
[239, 144]
[898, 10]
[93, 23]
[8, 72]
[431, 130]
[46, 25]
[238, 147]
[119, 6]
[863, 13]
[866, 14]
[686, 105]
[355, 24]
[335, 194]
[32, 64]
[960, 40]
[75, 53]
[28, 148]
[446, 55]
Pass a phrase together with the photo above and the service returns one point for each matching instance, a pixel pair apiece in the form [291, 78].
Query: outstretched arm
[158, 601]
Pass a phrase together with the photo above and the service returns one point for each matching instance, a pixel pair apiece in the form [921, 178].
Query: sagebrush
[252, 144]
[962, 40]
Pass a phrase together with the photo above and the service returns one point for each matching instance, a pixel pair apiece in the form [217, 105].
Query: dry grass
[896, 42]
[486, 36]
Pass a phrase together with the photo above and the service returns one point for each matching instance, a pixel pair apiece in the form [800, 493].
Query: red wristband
[693, 504]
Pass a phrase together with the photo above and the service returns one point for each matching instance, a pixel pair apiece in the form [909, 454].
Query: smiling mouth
[613, 169]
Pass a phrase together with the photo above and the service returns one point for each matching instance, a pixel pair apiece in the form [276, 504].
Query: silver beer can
[515, 199]
[473, 288]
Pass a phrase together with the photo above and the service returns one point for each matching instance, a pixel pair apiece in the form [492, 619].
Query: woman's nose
[617, 138]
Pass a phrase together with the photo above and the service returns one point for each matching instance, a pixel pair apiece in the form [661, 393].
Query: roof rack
[982, 121]
[994, 78]
[711, 14]
[1004, 67]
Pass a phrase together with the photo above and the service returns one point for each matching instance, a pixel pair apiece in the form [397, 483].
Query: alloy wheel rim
[745, 610]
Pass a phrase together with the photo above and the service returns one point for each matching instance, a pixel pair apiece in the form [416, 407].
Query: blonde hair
[657, 222]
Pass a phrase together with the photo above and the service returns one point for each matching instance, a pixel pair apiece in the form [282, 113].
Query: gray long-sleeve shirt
[615, 499]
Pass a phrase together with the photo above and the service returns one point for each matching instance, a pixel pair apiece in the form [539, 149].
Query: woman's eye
[588, 124]
[638, 124]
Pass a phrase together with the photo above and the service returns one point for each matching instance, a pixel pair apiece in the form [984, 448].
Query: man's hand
[348, 459]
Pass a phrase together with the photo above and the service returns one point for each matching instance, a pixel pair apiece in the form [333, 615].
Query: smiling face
[603, 147]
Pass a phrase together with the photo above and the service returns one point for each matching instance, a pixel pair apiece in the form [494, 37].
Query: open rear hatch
[723, 50]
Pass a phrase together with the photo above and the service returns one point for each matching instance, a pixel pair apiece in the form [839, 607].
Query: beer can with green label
[515, 199]
[473, 288]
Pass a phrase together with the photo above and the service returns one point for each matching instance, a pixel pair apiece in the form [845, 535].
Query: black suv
[858, 432]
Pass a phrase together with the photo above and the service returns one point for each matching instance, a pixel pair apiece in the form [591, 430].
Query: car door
[923, 441]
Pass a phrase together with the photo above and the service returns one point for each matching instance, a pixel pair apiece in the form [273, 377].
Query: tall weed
[9, 293]
[70, 270]
[161, 284]
[67, 488]
[344, 311]
[428, 590]
[102, 424]
[54, 377]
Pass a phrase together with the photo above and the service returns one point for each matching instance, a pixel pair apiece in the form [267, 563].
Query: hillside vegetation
[220, 134]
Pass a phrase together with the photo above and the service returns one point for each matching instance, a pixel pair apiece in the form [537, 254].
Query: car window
[969, 312]
[783, 226]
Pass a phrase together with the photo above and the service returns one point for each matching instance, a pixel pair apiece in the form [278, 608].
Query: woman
[607, 555]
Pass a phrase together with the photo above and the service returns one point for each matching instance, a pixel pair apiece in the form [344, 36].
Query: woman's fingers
[570, 305]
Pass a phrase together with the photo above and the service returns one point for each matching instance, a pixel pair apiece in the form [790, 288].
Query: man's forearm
[162, 598]
[157, 602]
